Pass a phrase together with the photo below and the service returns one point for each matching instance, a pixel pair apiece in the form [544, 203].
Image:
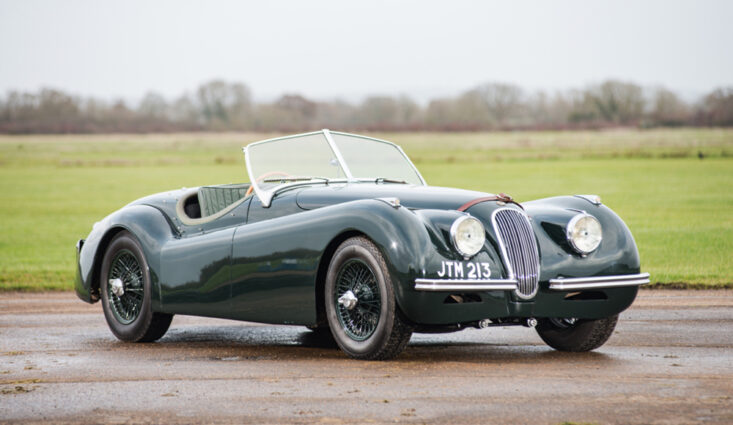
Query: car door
[274, 265]
[195, 272]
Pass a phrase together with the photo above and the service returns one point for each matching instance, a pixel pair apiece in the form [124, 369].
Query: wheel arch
[150, 228]
[323, 271]
[94, 284]
[399, 235]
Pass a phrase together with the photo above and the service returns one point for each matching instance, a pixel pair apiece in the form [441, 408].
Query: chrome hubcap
[117, 286]
[348, 300]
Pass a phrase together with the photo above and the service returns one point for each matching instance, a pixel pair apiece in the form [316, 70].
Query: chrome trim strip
[596, 282]
[593, 199]
[337, 152]
[399, 148]
[441, 285]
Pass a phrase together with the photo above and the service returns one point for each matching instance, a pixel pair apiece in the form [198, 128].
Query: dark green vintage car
[340, 233]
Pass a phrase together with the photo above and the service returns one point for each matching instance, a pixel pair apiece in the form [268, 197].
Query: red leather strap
[502, 197]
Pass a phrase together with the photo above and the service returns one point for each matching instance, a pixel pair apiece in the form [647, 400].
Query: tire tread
[585, 336]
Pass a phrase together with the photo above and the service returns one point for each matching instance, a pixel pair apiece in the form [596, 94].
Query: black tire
[373, 329]
[130, 315]
[582, 335]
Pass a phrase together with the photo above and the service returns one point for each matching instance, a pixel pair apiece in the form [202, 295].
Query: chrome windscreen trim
[442, 285]
[596, 282]
[337, 152]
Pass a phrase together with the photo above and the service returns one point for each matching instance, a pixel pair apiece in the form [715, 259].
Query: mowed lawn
[678, 206]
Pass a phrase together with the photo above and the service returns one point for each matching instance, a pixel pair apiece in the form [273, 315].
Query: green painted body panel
[262, 264]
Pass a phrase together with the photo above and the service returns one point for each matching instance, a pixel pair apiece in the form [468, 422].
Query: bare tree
[717, 107]
[184, 110]
[502, 101]
[225, 105]
[668, 109]
[153, 106]
[383, 112]
[617, 101]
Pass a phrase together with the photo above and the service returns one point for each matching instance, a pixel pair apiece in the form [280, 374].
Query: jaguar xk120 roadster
[340, 233]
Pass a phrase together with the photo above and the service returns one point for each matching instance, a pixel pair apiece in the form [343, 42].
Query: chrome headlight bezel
[464, 247]
[572, 236]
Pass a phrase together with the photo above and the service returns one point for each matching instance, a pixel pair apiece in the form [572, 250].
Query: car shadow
[297, 343]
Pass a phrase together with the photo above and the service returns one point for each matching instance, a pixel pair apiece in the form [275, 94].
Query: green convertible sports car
[340, 233]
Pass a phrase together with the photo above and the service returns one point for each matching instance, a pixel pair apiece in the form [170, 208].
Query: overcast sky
[347, 49]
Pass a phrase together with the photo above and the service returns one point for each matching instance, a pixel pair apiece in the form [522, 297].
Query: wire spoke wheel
[127, 302]
[360, 303]
[360, 321]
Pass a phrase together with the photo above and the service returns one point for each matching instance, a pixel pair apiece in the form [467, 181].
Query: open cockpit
[207, 203]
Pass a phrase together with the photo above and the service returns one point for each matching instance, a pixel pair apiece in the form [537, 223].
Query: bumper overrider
[558, 284]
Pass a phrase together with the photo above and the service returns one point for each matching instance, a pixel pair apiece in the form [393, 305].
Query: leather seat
[215, 198]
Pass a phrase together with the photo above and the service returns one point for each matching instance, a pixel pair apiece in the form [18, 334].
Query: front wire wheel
[576, 334]
[356, 280]
[360, 303]
[125, 287]
[126, 292]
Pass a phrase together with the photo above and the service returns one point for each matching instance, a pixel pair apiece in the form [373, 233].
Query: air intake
[518, 249]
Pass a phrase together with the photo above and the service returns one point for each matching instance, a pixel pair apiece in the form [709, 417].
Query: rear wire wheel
[360, 303]
[126, 292]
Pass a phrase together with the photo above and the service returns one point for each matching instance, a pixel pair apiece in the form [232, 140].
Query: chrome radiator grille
[519, 249]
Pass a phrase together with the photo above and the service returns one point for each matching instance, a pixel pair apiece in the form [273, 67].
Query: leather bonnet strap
[502, 197]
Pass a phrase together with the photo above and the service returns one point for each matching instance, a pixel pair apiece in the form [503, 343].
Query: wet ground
[670, 361]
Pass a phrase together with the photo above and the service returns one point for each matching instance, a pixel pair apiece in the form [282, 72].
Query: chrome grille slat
[527, 258]
[519, 249]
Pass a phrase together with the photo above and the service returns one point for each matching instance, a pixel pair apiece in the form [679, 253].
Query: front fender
[151, 228]
[616, 255]
[275, 262]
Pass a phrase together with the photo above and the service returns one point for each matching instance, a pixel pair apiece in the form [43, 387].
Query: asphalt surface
[670, 361]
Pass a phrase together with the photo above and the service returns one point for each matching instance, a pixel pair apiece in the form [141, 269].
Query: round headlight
[584, 233]
[468, 235]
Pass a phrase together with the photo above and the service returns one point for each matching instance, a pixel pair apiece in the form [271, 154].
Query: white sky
[347, 49]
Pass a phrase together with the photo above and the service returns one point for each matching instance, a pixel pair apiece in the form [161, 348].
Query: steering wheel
[264, 176]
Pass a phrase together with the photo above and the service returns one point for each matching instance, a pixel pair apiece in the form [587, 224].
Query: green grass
[679, 208]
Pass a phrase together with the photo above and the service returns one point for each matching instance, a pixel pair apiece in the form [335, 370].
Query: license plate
[464, 270]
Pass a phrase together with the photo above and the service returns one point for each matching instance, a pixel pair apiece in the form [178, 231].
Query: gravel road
[670, 361]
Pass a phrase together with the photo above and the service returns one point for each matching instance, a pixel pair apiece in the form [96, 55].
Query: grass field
[678, 206]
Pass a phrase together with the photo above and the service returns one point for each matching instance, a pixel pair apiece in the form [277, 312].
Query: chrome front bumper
[577, 283]
[560, 284]
[438, 285]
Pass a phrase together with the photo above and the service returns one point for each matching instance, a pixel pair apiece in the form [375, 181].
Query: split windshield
[325, 155]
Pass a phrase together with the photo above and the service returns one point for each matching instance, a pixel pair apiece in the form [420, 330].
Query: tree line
[225, 106]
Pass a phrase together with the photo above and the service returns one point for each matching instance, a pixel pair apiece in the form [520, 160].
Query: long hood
[410, 196]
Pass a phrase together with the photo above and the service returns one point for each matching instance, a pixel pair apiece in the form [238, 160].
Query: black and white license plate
[464, 270]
